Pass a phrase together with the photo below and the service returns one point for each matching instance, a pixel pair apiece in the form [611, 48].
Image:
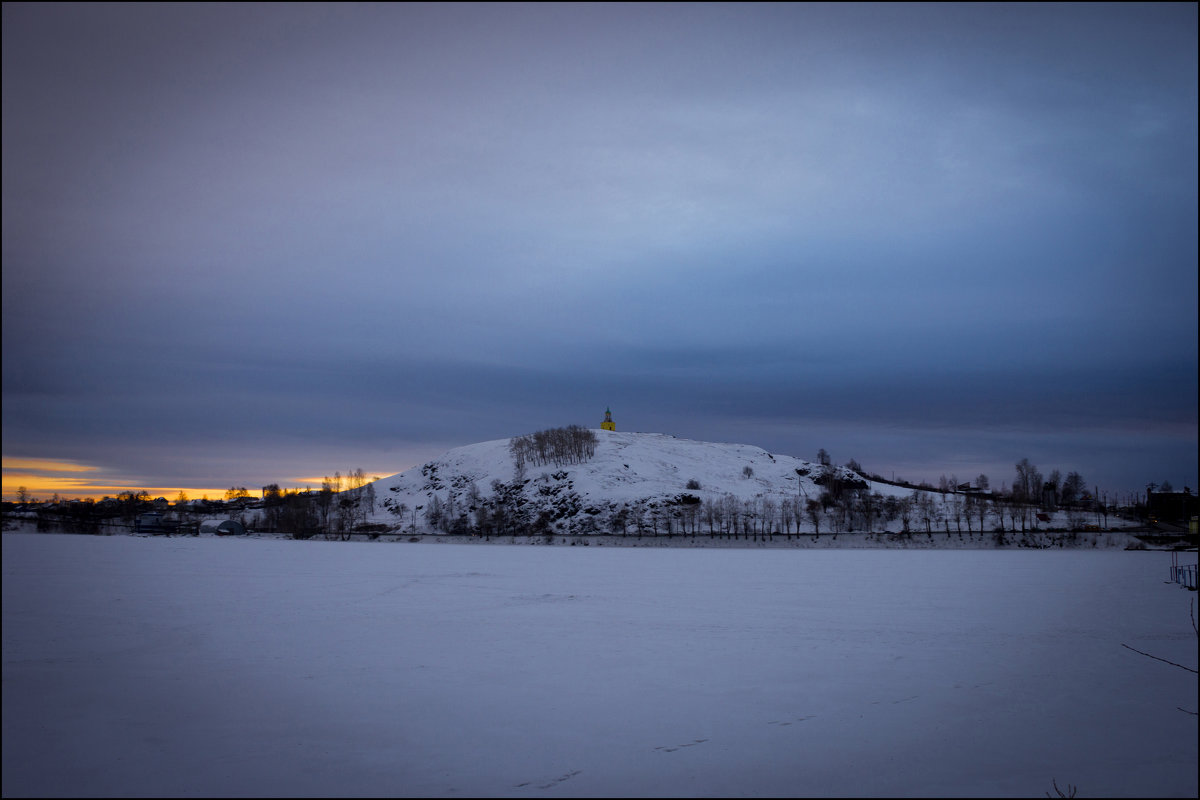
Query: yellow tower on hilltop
[608, 424]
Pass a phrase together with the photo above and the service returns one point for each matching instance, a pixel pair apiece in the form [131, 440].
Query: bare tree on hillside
[905, 511]
[925, 509]
[558, 446]
[434, 513]
[770, 512]
[785, 515]
[981, 508]
[726, 511]
[876, 508]
[816, 512]
[798, 512]
[400, 510]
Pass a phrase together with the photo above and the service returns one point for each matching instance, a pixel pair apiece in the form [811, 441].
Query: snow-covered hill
[630, 476]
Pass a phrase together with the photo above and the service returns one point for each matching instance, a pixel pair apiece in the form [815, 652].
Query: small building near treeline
[155, 522]
[222, 527]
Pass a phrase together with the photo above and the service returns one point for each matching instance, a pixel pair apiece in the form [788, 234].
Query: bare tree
[710, 513]
[1070, 789]
[981, 508]
[926, 511]
[730, 509]
[786, 507]
[1028, 484]
[816, 513]
[905, 509]
[769, 510]
[1073, 488]
[434, 513]
[955, 511]
[400, 510]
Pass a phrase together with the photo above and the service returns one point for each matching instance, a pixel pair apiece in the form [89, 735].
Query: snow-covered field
[216, 667]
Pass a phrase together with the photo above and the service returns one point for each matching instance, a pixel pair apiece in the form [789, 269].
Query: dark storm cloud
[384, 229]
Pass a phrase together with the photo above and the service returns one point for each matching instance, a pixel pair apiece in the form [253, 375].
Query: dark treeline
[342, 507]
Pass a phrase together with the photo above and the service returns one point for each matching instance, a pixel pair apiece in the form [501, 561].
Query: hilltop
[625, 466]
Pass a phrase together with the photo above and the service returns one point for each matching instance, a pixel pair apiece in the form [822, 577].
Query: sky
[132, 669]
[248, 244]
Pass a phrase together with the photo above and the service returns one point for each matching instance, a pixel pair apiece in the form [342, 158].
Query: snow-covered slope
[626, 470]
[654, 481]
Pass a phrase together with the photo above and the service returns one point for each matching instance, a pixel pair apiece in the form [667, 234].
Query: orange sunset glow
[43, 478]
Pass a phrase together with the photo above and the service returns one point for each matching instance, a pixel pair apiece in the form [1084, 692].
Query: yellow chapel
[608, 424]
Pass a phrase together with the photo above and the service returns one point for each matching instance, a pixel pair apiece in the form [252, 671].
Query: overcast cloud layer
[250, 243]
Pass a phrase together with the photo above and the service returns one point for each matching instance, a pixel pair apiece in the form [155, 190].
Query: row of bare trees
[558, 446]
[343, 506]
[840, 507]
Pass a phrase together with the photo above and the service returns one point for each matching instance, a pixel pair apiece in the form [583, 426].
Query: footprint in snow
[552, 783]
[669, 749]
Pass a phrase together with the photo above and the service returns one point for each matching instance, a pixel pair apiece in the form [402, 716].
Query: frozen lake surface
[216, 667]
